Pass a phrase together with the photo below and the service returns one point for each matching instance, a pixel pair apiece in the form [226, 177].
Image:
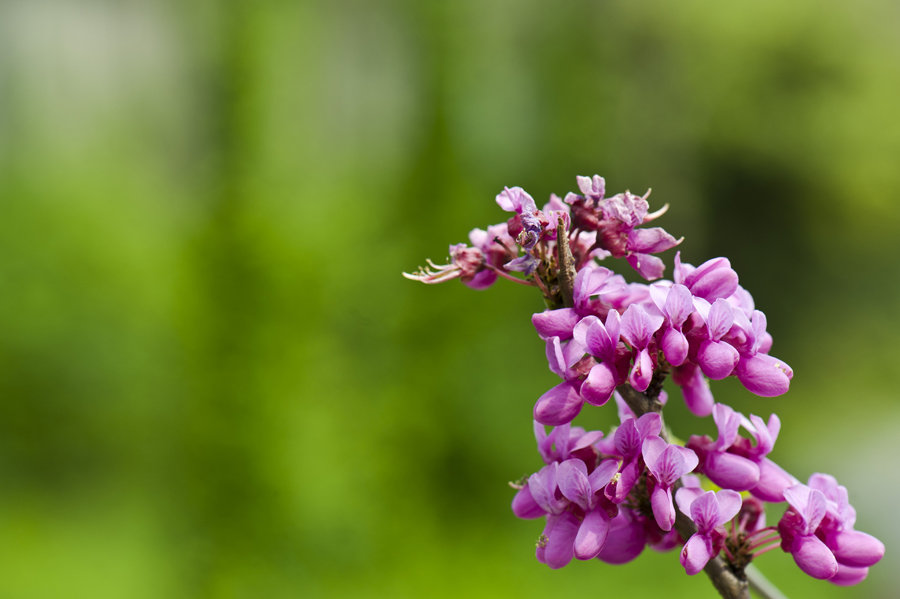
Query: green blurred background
[214, 381]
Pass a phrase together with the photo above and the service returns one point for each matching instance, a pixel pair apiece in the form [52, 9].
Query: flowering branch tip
[609, 496]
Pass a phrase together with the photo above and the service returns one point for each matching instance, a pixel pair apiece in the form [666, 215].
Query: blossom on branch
[610, 496]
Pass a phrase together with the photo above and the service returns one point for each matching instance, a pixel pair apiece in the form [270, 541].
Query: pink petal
[648, 425]
[695, 389]
[651, 449]
[624, 541]
[764, 375]
[679, 305]
[731, 471]
[855, 548]
[685, 496]
[542, 486]
[591, 534]
[848, 576]
[603, 474]
[599, 385]
[773, 480]
[642, 371]
[810, 504]
[705, 512]
[555, 323]
[814, 557]
[573, 482]
[729, 505]
[524, 506]
[651, 240]
[638, 325]
[696, 553]
[560, 532]
[555, 357]
[717, 359]
[719, 319]
[675, 347]
[663, 509]
[712, 280]
[559, 405]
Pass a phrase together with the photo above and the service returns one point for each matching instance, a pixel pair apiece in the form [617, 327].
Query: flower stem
[566, 262]
[509, 277]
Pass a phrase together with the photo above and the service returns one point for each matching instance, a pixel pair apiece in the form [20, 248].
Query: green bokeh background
[214, 381]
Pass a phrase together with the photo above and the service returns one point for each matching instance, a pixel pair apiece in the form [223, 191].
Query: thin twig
[566, 265]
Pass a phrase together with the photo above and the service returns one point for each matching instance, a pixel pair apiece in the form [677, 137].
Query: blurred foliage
[214, 381]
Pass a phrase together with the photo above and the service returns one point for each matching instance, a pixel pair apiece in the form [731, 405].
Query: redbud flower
[676, 304]
[709, 511]
[717, 358]
[638, 327]
[723, 467]
[667, 464]
[798, 532]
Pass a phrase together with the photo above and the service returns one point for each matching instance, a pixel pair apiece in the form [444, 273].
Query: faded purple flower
[593, 188]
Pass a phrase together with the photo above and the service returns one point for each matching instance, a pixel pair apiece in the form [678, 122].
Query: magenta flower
[717, 358]
[602, 342]
[851, 548]
[638, 327]
[562, 443]
[711, 280]
[627, 444]
[667, 464]
[562, 403]
[759, 372]
[725, 468]
[578, 513]
[817, 530]
[566, 441]
[586, 491]
[615, 221]
[676, 304]
[597, 290]
[709, 511]
[798, 532]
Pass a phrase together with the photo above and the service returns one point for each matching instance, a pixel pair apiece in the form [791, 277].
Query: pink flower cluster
[702, 325]
[608, 497]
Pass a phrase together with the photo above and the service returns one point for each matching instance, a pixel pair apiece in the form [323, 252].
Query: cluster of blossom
[609, 497]
[598, 226]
